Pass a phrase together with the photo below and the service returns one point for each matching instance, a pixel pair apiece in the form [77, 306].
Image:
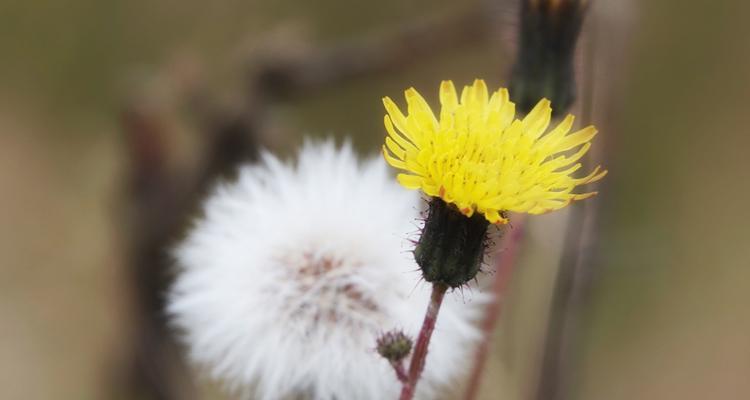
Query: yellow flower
[479, 158]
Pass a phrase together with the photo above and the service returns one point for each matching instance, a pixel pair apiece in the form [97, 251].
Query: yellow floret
[478, 157]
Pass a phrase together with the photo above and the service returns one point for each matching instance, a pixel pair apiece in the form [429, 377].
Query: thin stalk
[505, 265]
[398, 367]
[575, 270]
[417, 363]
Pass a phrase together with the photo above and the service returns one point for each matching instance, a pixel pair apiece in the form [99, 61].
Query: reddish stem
[398, 366]
[492, 313]
[423, 341]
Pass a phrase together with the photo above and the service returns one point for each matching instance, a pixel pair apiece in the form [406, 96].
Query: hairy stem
[401, 374]
[423, 341]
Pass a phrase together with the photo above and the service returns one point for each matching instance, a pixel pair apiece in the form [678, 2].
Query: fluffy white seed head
[294, 270]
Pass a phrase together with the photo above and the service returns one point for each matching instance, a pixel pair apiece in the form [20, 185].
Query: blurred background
[115, 117]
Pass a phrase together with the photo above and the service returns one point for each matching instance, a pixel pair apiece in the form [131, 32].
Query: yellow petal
[396, 163]
[480, 92]
[400, 139]
[409, 181]
[394, 148]
[397, 117]
[448, 97]
[535, 123]
[576, 138]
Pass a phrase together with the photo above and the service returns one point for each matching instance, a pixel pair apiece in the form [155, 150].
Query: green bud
[544, 67]
[451, 248]
[394, 346]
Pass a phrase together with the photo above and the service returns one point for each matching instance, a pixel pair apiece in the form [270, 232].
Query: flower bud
[546, 45]
[394, 346]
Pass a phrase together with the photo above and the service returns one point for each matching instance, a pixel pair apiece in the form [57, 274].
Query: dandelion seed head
[286, 282]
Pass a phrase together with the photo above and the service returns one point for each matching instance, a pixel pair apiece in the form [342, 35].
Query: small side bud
[451, 248]
[394, 346]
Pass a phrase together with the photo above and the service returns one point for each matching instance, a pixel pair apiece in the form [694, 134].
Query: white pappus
[286, 281]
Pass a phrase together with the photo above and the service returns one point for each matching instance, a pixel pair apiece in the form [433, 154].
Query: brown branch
[284, 75]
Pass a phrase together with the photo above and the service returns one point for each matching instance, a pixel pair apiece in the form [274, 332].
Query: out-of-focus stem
[398, 366]
[505, 265]
[575, 269]
[417, 363]
[412, 43]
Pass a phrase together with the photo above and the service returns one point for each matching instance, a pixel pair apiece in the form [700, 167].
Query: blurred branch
[156, 205]
[160, 202]
[280, 74]
[505, 265]
[577, 269]
[565, 306]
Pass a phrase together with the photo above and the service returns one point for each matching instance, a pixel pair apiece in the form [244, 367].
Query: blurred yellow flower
[479, 158]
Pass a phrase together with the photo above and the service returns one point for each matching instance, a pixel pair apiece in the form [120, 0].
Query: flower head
[394, 346]
[479, 158]
[287, 281]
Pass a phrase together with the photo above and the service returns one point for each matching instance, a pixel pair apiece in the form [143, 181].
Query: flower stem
[505, 267]
[423, 341]
[398, 366]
